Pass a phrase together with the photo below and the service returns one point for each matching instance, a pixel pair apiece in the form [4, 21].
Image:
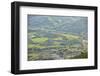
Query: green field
[64, 46]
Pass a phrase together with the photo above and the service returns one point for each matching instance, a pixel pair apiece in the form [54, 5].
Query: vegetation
[39, 40]
[54, 38]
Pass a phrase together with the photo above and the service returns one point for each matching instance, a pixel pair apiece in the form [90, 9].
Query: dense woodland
[57, 37]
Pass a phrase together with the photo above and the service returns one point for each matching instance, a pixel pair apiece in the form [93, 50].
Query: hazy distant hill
[62, 24]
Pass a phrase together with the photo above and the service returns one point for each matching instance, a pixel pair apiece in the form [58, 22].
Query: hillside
[57, 37]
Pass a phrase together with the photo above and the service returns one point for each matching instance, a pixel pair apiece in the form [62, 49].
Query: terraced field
[61, 46]
[57, 37]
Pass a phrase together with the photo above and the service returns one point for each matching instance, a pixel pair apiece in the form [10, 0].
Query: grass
[56, 43]
[81, 56]
[35, 46]
[39, 40]
[33, 56]
[59, 38]
[70, 37]
[30, 45]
